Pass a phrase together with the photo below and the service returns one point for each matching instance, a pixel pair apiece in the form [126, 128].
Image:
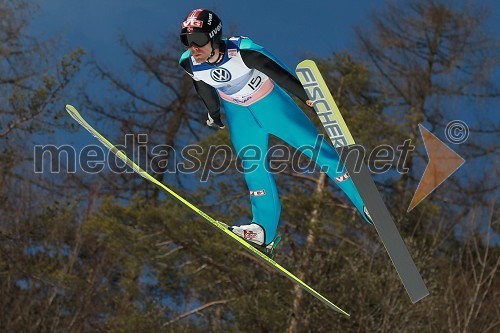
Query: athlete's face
[200, 53]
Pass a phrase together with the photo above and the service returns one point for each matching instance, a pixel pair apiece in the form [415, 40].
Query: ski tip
[305, 63]
[70, 107]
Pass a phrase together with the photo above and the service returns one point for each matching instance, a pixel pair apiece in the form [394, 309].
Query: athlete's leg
[281, 116]
[251, 143]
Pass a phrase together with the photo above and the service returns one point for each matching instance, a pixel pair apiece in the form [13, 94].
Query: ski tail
[73, 112]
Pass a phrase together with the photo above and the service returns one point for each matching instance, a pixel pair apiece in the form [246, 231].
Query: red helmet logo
[192, 20]
[192, 23]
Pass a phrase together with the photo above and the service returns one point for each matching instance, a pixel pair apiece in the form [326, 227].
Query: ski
[73, 112]
[336, 128]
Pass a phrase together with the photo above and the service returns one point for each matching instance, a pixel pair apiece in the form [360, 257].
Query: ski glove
[215, 122]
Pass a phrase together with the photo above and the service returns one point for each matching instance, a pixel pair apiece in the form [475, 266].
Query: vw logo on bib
[220, 75]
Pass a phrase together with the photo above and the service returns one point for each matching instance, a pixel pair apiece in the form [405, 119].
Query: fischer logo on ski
[332, 121]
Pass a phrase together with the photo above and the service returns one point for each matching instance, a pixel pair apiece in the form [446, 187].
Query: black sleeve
[207, 93]
[264, 64]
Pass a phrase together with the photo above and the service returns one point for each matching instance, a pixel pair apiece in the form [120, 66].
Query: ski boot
[254, 234]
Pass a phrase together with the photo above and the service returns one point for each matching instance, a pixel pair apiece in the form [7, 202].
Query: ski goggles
[198, 39]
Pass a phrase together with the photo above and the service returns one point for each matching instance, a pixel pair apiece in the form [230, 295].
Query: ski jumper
[249, 82]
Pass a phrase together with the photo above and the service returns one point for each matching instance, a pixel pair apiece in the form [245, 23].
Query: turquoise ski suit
[249, 82]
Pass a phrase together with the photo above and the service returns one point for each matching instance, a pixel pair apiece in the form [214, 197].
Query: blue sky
[286, 28]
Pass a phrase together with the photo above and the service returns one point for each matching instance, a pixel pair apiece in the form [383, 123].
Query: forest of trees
[109, 252]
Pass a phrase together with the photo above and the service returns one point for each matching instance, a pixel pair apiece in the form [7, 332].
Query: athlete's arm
[209, 96]
[266, 65]
[207, 93]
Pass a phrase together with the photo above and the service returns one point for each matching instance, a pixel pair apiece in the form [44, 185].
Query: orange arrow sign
[443, 162]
